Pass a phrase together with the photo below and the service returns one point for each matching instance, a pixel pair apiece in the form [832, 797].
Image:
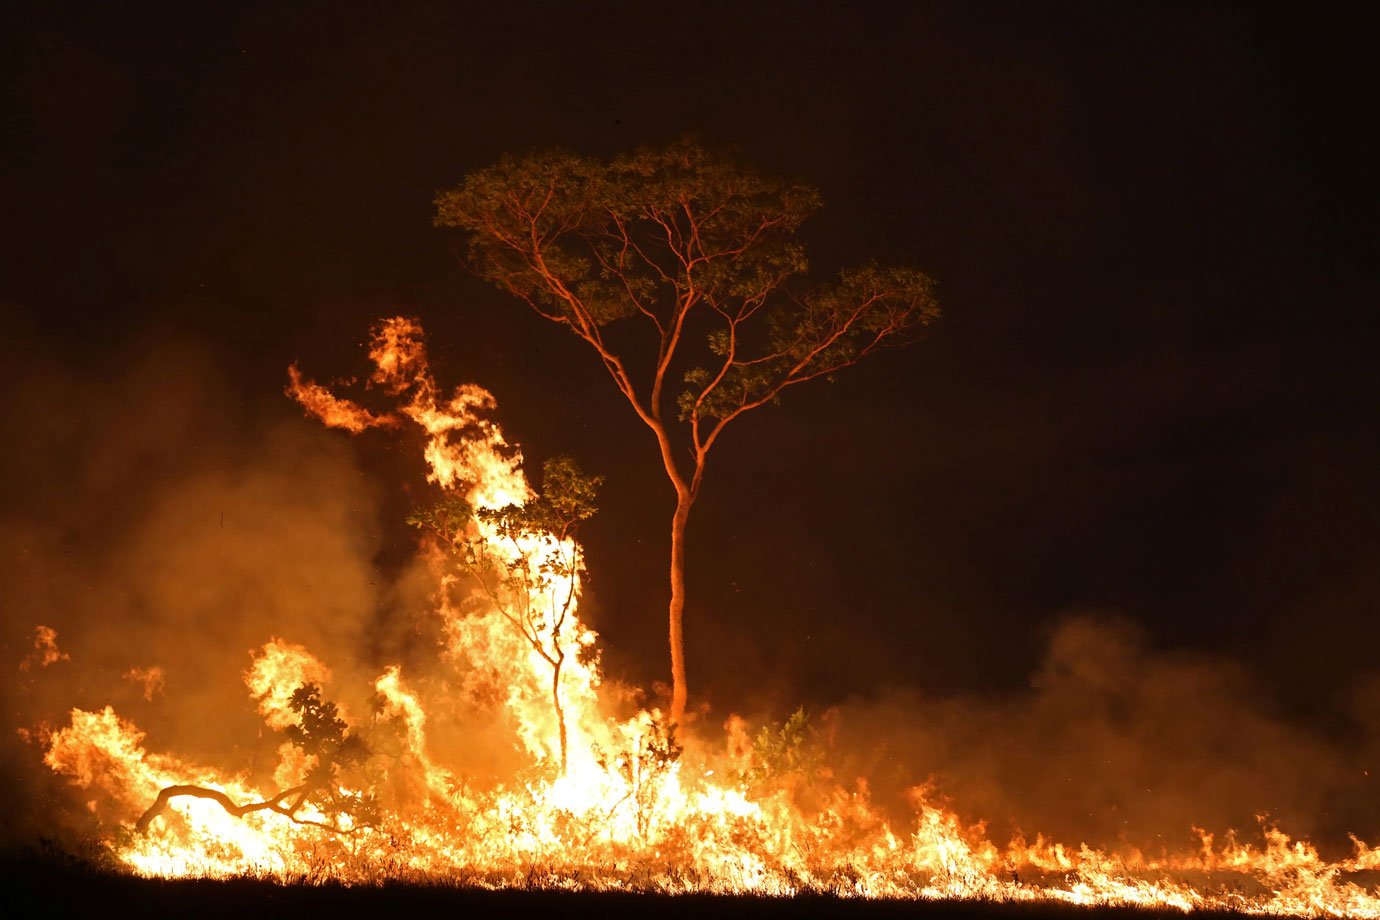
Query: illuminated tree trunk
[679, 690]
[556, 703]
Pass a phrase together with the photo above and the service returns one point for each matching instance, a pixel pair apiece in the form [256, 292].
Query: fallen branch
[274, 803]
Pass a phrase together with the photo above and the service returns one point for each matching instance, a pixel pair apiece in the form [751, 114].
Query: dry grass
[48, 883]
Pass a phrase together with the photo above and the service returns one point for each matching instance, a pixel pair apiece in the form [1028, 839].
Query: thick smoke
[160, 531]
[1117, 743]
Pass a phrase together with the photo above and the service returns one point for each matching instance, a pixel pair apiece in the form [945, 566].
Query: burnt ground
[55, 886]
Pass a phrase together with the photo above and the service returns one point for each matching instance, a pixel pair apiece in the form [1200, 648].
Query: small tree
[700, 248]
[531, 575]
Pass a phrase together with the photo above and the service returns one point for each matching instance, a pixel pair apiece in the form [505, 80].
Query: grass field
[51, 885]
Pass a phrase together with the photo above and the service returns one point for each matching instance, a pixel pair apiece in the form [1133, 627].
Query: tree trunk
[679, 691]
[556, 701]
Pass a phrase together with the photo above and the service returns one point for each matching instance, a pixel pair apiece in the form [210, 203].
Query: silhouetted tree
[700, 248]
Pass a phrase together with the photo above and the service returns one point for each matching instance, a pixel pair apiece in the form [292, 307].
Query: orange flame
[45, 650]
[332, 411]
[152, 680]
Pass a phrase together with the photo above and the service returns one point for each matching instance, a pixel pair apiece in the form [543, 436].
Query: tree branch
[274, 803]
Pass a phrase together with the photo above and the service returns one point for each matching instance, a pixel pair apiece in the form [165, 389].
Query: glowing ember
[45, 650]
[150, 680]
[579, 796]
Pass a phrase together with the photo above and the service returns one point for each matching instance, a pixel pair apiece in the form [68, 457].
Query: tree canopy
[674, 234]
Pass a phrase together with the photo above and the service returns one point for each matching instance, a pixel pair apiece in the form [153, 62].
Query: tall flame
[602, 801]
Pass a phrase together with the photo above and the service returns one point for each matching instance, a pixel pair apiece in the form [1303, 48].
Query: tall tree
[700, 248]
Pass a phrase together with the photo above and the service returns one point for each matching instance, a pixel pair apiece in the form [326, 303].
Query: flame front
[593, 799]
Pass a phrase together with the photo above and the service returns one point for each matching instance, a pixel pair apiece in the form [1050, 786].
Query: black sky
[1154, 389]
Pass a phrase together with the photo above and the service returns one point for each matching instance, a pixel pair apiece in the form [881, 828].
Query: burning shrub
[328, 746]
[641, 766]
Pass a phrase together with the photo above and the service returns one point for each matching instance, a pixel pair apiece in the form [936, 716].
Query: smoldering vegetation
[163, 527]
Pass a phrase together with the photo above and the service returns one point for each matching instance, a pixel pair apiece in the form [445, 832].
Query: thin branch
[521, 625]
[797, 373]
[622, 274]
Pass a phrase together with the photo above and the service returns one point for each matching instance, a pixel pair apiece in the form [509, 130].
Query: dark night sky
[1154, 389]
